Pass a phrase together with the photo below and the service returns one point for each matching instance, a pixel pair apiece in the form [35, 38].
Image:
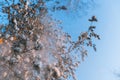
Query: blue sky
[100, 65]
[103, 64]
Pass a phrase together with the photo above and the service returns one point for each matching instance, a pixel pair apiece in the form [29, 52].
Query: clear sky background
[103, 64]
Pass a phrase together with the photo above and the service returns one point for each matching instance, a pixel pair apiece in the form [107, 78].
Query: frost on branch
[34, 47]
